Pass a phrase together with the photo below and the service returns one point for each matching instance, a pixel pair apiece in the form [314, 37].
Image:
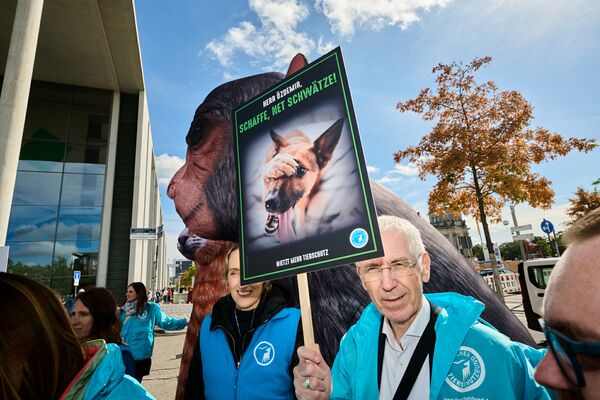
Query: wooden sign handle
[307, 326]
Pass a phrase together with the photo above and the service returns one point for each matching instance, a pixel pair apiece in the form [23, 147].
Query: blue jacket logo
[264, 353]
[467, 372]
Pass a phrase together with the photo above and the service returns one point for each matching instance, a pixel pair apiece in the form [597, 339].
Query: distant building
[77, 168]
[455, 230]
[177, 269]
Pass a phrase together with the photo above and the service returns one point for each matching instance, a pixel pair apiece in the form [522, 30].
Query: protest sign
[304, 196]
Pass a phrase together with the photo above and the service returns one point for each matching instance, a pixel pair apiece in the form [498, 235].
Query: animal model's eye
[300, 171]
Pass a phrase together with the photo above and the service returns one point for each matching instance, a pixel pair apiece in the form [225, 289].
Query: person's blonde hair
[39, 352]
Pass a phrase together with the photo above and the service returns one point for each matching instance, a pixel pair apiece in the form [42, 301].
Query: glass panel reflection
[92, 100]
[88, 128]
[36, 188]
[82, 190]
[46, 124]
[32, 259]
[70, 255]
[89, 159]
[29, 223]
[38, 155]
[79, 223]
[50, 95]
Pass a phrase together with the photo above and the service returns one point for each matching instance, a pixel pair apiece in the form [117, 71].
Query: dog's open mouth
[271, 224]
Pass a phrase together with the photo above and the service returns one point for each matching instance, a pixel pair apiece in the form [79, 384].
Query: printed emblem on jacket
[467, 372]
[264, 353]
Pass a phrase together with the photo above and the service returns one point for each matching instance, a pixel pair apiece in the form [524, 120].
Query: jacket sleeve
[528, 358]
[166, 322]
[194, 386]
[343, 368]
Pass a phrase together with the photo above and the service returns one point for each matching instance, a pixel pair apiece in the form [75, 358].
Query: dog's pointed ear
[279, 141]
[325, 144]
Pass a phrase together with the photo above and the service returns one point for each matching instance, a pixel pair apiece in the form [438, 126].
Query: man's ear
[325, 144]
[425, 267]
[279, 141]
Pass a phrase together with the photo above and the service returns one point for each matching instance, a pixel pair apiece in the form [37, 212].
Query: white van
[533, 277]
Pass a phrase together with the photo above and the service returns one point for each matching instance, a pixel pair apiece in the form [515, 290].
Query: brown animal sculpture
[206, 199]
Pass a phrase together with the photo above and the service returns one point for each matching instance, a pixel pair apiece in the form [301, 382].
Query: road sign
[521, 228]
[526, 236]
[143, 234]
[76, 277]
[547, 226]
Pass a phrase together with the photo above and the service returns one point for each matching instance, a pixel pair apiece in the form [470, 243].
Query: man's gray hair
[410, 232]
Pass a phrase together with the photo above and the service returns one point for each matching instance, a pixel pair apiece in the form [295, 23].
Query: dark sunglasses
[565, 351]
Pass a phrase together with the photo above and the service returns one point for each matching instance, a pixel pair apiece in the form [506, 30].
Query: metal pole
[556, 249]
[514, 218]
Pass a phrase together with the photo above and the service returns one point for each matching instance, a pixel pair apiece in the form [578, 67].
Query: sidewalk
[162, 381]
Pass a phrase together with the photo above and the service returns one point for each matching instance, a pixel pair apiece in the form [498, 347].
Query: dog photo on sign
[301, 180]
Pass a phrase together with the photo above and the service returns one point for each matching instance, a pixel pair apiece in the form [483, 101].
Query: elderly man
[410, 346]
[572, 315]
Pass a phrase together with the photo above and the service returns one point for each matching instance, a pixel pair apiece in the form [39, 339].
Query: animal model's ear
[279, 141]
[297, 63]
[325, 144]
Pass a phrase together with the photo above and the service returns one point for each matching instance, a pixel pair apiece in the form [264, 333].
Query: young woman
[138, 318]
[42, 359]
[94, 316]
[247, 345]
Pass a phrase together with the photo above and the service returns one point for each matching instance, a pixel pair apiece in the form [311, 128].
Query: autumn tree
[584, 202]
[482, 147]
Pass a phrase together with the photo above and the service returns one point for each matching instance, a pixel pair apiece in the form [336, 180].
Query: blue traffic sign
[76, 275]
[547, 226]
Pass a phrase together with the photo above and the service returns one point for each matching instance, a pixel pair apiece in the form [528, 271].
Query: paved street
[162, 381]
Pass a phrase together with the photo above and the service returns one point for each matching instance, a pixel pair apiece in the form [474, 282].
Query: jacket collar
[269, 307]
[94, 351]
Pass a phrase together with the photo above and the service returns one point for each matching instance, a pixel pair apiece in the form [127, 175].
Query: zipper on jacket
[235, 357]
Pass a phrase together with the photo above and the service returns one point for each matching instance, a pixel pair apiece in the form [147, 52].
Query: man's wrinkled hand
[312, 376]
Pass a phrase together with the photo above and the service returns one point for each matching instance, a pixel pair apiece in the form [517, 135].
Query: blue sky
[548, 50]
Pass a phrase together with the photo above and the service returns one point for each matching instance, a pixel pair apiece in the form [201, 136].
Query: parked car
[533, 277]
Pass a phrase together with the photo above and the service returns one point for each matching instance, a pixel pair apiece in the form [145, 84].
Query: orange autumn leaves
[482, 146]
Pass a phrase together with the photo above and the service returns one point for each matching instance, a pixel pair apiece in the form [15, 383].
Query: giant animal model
[205, 197]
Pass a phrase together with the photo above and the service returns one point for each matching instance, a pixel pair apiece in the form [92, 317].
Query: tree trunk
[488, 239]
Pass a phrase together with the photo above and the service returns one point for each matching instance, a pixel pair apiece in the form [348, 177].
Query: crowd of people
[405, 345]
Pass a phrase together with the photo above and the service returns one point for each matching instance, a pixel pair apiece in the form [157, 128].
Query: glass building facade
[56, 212]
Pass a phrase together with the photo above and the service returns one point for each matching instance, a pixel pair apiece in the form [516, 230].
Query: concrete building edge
[109, 183]
[14, 99]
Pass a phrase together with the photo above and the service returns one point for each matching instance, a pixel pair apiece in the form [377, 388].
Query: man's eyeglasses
[398, 269]
[565, 351]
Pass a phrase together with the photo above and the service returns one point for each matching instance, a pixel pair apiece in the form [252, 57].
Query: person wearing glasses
[572, 315]
[407, 345]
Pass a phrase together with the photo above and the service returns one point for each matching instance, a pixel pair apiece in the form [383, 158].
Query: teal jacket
[471, 358]
[138, 330]
[104, 378]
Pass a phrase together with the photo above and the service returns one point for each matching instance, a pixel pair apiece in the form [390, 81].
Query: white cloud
[399, 174]
[344, 15]
[277, 36]
[371, 169]
[166, 166]
[274, 38]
